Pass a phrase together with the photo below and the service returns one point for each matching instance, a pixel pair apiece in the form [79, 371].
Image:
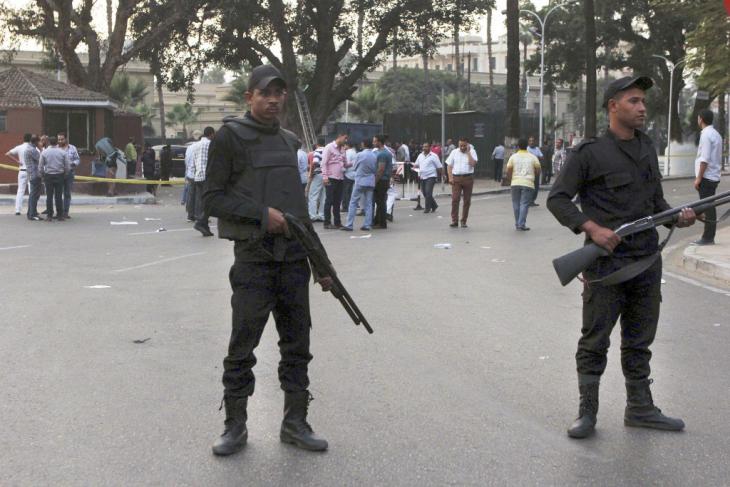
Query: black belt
[23, 169]
[468, 174]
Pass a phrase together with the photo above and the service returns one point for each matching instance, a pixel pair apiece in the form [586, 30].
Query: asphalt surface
[469, 378]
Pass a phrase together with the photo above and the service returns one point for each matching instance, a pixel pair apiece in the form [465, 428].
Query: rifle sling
[634, 269]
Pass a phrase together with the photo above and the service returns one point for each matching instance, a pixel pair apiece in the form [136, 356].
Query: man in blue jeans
[429, 168]
[523, 169]
[365, 168]
[68, 180]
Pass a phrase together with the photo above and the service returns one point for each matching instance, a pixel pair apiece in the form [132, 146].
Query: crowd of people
[50, 162]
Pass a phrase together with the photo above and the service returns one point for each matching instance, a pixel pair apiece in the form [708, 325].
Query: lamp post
[672, 66]
[543, 22]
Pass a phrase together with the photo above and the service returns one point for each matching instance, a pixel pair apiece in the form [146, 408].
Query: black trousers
[347, 185]
[498, 163]
[190, 202]
[201, 216]
[636, 302]
[34, 196]
[259, 289]
[707, 189]
[333, 201]
[427, 190]
[54, 191]
[380, 200]
[546, 173]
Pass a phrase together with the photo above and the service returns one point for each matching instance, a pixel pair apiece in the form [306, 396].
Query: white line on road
[688, 280]
[16, 247]
[162, 261]
[167, 230]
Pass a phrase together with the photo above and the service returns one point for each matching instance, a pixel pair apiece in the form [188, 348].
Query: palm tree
[147, 113]
[367, 104]
[454, 102]
[182, 115]
[236, 94]
[525, 40]
[127, 92]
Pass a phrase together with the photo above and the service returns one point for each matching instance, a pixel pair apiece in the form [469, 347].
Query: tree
[236, 94]
[215, 75]
[182, 115]
[513, 72]
[367, 105]
[147, 114]
[489, 45]
[127, 92]
[68, 28]
[321, 30]
[590, 60]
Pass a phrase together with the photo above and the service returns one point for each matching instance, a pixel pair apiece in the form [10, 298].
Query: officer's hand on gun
[686, 218]
[276, 222]
[601, 236]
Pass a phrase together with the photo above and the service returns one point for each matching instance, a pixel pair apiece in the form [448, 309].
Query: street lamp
[672, 66]
[542, 22]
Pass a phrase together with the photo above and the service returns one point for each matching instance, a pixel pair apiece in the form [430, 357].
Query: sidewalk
[86, 199]
[710, 260]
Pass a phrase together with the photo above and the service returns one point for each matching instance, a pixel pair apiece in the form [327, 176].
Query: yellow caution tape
[176, 182]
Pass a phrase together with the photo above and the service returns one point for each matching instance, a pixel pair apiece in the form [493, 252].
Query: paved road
[469, 378]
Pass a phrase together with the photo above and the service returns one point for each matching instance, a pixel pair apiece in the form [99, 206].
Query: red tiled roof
[23, 88]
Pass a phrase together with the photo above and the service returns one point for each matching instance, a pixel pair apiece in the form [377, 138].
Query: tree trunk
[457, 54]
[513, 72]
[395, 48]
[489, 47]
[721, 123]
[161, 103]
[590, 60]
[360, 25]
[524, 74]
[109, 18]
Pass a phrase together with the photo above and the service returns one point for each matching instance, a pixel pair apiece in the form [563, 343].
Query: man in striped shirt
[200, 162]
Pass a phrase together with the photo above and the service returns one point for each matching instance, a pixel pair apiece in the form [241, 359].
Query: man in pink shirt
[333, 172]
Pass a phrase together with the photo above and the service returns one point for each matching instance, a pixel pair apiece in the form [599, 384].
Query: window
[438, 67]
[3, 121]
[475, 64]
[449, 67]
[493, 63]
[74, 122]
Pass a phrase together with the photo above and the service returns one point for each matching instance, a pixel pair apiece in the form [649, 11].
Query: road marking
[162, 261]
[167, 230]
[16, 247]
[688, 280]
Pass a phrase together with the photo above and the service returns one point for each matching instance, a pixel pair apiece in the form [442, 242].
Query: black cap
[621, 84]
[262, 75]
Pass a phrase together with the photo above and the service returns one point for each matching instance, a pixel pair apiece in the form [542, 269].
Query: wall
[20, 121]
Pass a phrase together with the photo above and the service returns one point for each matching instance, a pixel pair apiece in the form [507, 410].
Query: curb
[692, 261]
[77, 200]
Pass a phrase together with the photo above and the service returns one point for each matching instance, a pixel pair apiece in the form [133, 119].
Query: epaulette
[585, 142]
[241, 130]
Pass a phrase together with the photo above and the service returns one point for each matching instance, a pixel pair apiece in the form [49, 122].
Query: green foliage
[367, 104]
[182, 115]
[406, 90]
[214, 75]
[148, 114]
[128, 92]
[237, 92]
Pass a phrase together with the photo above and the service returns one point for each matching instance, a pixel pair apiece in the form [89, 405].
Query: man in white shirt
[460, 165]
[533, 149]
[429, 168]
[188, 198]
[68, 181]
[16, 154]
[708, 166]
[498, 159]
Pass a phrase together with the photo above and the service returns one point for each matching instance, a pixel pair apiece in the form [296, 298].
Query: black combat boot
[640, 409]
[585, 425]
[235, 433]
[294, 427]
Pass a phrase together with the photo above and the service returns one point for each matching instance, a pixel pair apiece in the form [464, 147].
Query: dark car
[178, 159]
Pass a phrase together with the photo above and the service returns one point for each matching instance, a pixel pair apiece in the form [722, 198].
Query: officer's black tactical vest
[268, 173]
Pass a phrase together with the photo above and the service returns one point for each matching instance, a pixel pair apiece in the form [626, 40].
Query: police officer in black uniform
[618, 180]
[252, 177]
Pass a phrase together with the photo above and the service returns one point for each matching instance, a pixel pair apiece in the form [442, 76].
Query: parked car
[178, 158]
